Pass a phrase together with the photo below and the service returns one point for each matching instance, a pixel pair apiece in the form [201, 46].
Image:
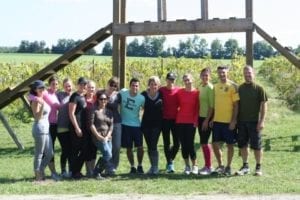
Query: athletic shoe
[140, 170]
[187, 170]
[150, 171]
[258, 172]
[77, 176]
[170, 168]
[243, 171]
[66, 174]
[205, 171]
[155, 170]
[220, 169]
[132, 170]
[55, 177]
[227, 171]
[195, 169]
[99, 177]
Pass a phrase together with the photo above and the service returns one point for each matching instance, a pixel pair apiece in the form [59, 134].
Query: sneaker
[150, 171]
[205, 171]
[77, 176]
[140, 170]
[243, 171]
[170, 168]
[66, 174]
[258, 172]
[99, 177]
[220, 169]
[55, 177]
[155, 170]
[227, 171]
[187, 170]
[132, 170]
[195, 169]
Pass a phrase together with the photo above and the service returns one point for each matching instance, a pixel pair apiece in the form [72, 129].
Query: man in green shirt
[251, 117]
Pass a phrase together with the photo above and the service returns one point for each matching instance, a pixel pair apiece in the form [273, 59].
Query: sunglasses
[113, 85]
[102, 99]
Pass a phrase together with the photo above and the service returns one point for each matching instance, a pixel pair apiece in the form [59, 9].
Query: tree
[297, 50]
[216, 49]
[32, 47]
[107, 49]
[200, 47]
[261, 50]
[231, 48]
[63, 45]
[133, 48]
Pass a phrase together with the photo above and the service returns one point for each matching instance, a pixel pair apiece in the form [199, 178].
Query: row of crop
[100, 72]
[285, 77]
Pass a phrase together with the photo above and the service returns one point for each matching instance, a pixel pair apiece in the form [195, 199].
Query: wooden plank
[286, 53]
[11, 132]
[204, 9]
[100, 35]
[183, 27]
[249, 48]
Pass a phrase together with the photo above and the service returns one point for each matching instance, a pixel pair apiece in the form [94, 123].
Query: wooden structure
[120, 29]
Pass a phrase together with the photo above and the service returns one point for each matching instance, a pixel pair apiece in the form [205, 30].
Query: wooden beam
[249, 48]
[183, 27]
[204, 9]
[11, 132]
[249, 9]
[290, 56]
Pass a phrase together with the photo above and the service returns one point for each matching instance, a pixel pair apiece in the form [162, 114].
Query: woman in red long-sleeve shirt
[187, 121]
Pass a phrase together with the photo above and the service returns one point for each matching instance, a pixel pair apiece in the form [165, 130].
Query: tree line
[192, 47]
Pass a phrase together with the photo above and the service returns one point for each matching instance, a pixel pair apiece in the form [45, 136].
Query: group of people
[107, 119]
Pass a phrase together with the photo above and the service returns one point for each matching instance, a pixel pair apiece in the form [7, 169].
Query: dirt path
[150, 197]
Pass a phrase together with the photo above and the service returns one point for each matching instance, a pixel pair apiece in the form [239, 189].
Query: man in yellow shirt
[225, 117]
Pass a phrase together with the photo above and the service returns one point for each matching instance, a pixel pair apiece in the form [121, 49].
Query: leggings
[187, 136]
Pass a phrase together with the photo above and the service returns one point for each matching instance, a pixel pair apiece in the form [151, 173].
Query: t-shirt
[169, 102]
[103, 121]
[251, 96]
[152, 116]
[206, 99]
[130, 108]
[80, 111]
[225, 95]
[188, 107]
[63, 119]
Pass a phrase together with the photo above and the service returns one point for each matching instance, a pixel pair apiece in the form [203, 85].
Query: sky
[50, 20]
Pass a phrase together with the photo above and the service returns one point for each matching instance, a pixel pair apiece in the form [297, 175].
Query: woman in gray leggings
[43, 150]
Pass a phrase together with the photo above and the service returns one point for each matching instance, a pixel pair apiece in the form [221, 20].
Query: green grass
[281, 167]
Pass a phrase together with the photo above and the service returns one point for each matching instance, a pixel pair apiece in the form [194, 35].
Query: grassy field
[281, 165]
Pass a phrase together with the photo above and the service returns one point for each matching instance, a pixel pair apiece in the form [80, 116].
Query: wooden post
[161, 10]
[123, 47]
[249, 34]
[11, 131]
[204, 9]
[116, 39]
[164, 9]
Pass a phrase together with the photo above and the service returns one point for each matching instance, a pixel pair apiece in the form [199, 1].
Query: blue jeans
[106, 149]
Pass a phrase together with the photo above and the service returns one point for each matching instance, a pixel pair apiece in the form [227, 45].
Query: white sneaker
[205, 171]
[195, 169]
[187, 170]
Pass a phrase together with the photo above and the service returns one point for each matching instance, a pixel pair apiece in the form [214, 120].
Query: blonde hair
[154, 79]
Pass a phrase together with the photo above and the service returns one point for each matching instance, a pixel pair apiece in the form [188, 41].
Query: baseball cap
[82, 80]
[171, 76]
[38, 84]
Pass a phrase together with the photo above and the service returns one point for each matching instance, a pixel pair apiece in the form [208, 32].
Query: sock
[207, 155]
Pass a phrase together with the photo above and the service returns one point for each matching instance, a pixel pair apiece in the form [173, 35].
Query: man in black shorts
[251, 117]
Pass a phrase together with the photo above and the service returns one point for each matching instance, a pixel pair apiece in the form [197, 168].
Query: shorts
[221, 133]
[247, 134]
[131, 136]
